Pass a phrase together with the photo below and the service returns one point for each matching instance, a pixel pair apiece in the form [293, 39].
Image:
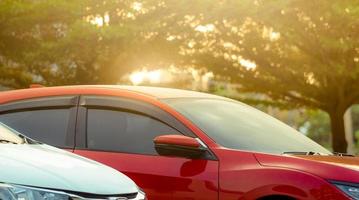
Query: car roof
[154, 92]
[166, 93]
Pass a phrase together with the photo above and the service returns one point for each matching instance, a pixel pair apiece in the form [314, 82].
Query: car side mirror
[179, 146]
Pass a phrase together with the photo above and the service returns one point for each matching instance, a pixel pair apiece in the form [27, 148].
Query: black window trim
[133, 112]
[65, 101]
[49, 103]
[135, 106]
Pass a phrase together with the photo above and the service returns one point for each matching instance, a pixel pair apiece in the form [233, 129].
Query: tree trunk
[348, 125]
[339, 142]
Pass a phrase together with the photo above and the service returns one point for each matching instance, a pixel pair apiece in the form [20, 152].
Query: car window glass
[238, 126]
[123, 131]
[47, 126]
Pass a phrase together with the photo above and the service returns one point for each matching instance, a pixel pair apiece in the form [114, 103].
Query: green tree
[71, 42]
[297, 53]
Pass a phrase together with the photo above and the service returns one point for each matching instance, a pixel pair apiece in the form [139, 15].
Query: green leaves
[65, 42]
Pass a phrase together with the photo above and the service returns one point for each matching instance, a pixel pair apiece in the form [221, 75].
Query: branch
[305, 101]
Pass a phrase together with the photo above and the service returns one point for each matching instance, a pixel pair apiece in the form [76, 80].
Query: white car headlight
[16, 192]
[19, 192]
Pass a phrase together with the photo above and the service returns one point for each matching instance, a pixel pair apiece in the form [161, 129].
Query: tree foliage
[296, 53]
[71, 42]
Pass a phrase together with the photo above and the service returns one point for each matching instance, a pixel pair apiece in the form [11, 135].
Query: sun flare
[144, 75]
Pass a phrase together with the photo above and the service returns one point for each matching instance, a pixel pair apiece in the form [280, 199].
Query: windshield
[238, 126]
[9, 135]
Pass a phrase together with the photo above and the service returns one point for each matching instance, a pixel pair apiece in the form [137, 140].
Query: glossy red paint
[338, 168]
[241, 176]
[235, 175]
[164, 178]
[179, 140]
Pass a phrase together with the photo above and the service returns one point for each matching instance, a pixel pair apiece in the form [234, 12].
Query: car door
[50, 120]
[120, 132]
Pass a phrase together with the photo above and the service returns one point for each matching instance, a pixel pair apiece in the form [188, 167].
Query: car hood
[340, 168]
[44, 166]
[343, 161]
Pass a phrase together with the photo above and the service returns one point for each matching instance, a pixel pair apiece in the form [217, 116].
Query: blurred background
[296, 60]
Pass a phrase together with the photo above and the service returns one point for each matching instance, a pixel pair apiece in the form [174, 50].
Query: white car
[30, 170]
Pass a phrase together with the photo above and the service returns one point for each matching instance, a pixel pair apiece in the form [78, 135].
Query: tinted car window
[123, 131]
[238, 126]
[47, 126]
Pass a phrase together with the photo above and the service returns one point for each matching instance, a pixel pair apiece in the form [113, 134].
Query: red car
[178, 144]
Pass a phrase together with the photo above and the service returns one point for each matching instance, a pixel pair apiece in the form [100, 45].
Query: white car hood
[44, 166]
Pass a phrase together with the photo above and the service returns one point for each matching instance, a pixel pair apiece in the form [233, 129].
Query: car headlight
[19, 192]
[349, 189]
[16, 192]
